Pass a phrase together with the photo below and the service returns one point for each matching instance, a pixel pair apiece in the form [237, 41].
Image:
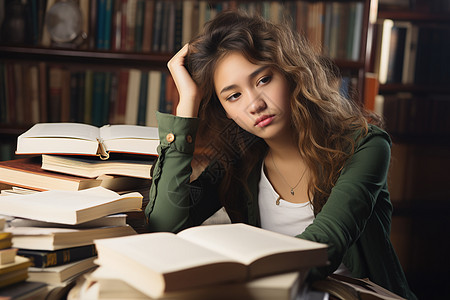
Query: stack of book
[226, 261]
[55, 231]
[14, 270]
[76, 156]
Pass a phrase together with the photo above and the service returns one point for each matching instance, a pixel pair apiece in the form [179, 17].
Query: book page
[245, 243]
[162, 252]
[64, 130]
[109, 132]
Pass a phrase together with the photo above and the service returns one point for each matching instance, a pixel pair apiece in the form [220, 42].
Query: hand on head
[189, 94]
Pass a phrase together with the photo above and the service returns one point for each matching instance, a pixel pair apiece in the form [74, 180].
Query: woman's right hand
[188, 91]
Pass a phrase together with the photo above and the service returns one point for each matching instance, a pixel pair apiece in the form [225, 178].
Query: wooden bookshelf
[96, 57]
[37, 50]
[418, 177]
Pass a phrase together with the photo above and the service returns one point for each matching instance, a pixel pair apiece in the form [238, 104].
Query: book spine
[44, 259]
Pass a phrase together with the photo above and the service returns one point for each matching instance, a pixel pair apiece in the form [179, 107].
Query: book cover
[70, 207]
[131, 9]
[153, 97]
[147, 37]
[213, 254]
[142, 98]
[132, 104]
[27, 173]
[44, 259]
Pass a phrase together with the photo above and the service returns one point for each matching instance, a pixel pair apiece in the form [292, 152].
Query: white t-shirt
[287, 217]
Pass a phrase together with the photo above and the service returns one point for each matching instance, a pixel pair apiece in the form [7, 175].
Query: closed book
[57, 275]
[14, 272]
[61, 238]
[5, 240]
[109, 220]
[148, 26]
[7, 255]
[70, 207]
[45, 258]
[92, 167]
[132, 103]
[27, 173]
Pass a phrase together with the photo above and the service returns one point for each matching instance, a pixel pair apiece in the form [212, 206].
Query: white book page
[162, 252]
[66, 130]
[243, 242]
[110, 132]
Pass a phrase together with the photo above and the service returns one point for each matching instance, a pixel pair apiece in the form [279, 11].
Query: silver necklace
[282, 177]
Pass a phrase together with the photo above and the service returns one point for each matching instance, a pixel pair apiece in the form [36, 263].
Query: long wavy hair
[325, 123]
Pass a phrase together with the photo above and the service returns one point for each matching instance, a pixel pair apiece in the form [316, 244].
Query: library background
[104, 62]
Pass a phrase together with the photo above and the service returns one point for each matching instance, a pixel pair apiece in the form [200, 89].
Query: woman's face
[255, 97]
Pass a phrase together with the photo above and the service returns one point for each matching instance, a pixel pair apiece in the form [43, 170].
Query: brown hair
[325, 121]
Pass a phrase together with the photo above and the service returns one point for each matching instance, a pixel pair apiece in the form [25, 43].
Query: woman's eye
[233, 97]
[264, 80]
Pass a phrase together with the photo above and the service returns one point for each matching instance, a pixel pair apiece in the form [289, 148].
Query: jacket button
[170, 137]
[189, 138]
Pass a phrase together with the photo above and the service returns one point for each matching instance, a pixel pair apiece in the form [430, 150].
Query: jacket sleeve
[352, 201]
[176, 203]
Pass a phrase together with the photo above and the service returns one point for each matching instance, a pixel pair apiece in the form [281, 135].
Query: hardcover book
[27, 173]
[45, 258]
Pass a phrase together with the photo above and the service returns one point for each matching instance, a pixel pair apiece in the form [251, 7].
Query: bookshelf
[141, 37]
[416, 110]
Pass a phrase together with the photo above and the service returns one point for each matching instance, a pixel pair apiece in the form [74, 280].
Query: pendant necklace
[282, 177]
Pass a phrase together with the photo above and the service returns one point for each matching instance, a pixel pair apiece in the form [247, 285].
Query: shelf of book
[77, 56]
[416, 16]
[140, 38]
[416, 96]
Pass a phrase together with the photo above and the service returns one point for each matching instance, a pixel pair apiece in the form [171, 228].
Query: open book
[84, 139]
[70, 207]
[348, 288]
[158, 263]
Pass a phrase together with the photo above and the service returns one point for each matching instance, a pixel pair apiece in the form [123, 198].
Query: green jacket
[355, 222]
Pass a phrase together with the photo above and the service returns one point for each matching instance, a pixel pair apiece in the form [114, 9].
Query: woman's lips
[264, 120]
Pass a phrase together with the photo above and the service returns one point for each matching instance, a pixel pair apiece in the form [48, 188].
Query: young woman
[287, 151]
